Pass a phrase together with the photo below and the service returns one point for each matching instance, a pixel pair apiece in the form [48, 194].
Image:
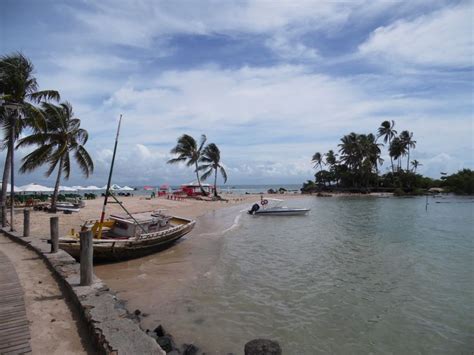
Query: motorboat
[274, 207]
[123, 237]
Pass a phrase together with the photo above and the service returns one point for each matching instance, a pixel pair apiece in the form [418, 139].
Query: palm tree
[188, 150]
[317, 159]
[211, 160]
[387, 131]
[415, 164]
[408, 142]
[397, 150]
[62, 137]
[18, 89]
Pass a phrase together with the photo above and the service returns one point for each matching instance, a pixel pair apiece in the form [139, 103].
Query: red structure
[193, 189]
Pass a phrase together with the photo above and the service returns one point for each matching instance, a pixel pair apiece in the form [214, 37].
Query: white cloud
[441, 38]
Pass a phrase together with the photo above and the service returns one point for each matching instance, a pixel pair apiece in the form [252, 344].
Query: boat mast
[99, 235]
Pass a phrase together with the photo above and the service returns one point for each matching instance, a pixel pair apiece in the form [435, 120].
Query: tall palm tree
[62, 137]
[397, 150]
[188, 151]
[415, 164]
[388, 132]
[211, 161]
[317, 159]
[408, 142]
[18, 89]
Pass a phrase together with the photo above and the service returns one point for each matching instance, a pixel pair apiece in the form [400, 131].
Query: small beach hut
[193, 189]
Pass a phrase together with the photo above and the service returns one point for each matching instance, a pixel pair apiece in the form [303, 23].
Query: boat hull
[282, 212]
[110, 250]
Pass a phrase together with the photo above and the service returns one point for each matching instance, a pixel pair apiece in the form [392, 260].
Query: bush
[398, 192]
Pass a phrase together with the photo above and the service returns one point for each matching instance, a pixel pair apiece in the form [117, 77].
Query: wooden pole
[12, 177]
[54, 227]
[26, 222]
[87, 252]
[109, 181]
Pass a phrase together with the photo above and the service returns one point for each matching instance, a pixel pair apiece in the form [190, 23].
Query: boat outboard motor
[254, 208]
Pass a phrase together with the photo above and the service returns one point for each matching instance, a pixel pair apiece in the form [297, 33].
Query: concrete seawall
[111, 327]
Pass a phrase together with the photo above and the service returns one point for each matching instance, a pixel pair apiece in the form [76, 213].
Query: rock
[159, 330]
[137, 312]
[190, 349]
[262, 347]
[166, 342]
[174, 352]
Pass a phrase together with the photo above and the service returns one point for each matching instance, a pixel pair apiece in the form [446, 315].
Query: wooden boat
[131, 236]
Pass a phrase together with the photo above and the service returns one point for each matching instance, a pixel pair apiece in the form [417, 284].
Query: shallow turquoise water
[358, 275]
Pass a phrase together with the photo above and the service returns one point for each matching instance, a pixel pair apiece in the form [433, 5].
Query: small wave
[234, 225]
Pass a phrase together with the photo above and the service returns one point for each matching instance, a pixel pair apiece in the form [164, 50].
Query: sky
[270, 82]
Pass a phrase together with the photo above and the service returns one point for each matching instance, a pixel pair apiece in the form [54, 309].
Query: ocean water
[358, 275]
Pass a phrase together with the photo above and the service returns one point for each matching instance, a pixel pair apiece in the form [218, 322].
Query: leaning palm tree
[211, 162]
[415, 164]
[62, 137]
[19, 91]
[388, 132]
[189, 152]
[317, 159]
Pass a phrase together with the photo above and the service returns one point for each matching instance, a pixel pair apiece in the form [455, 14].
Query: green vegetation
[25, 110]
[356, 166]
[189, 152]
[460, 183]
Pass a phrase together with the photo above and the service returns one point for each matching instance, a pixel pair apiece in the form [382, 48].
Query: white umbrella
[9, 188]
[67, 189]
[113, 187]
[35, 188]
[91, 187]
[127, 188]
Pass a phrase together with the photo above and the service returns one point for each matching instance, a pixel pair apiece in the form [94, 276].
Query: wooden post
[26, 222]
[54, 226]
[87, 252]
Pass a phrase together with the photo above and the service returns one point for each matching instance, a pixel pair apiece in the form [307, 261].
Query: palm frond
[44, 95]
[36, 158]
[84, 160]
[223, 173]
[207, 174]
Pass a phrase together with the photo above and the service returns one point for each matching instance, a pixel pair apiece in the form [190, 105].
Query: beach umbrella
[35, 188]
[67, 189]
[91, 188]
[127, 188]
[9, 188]
[113, 187]
[148, 188]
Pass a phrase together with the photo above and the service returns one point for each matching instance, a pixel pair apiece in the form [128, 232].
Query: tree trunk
[391, 160]
[3, 197]
[199, 181]
[215, 183]
[408, 161]
[54, 199]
